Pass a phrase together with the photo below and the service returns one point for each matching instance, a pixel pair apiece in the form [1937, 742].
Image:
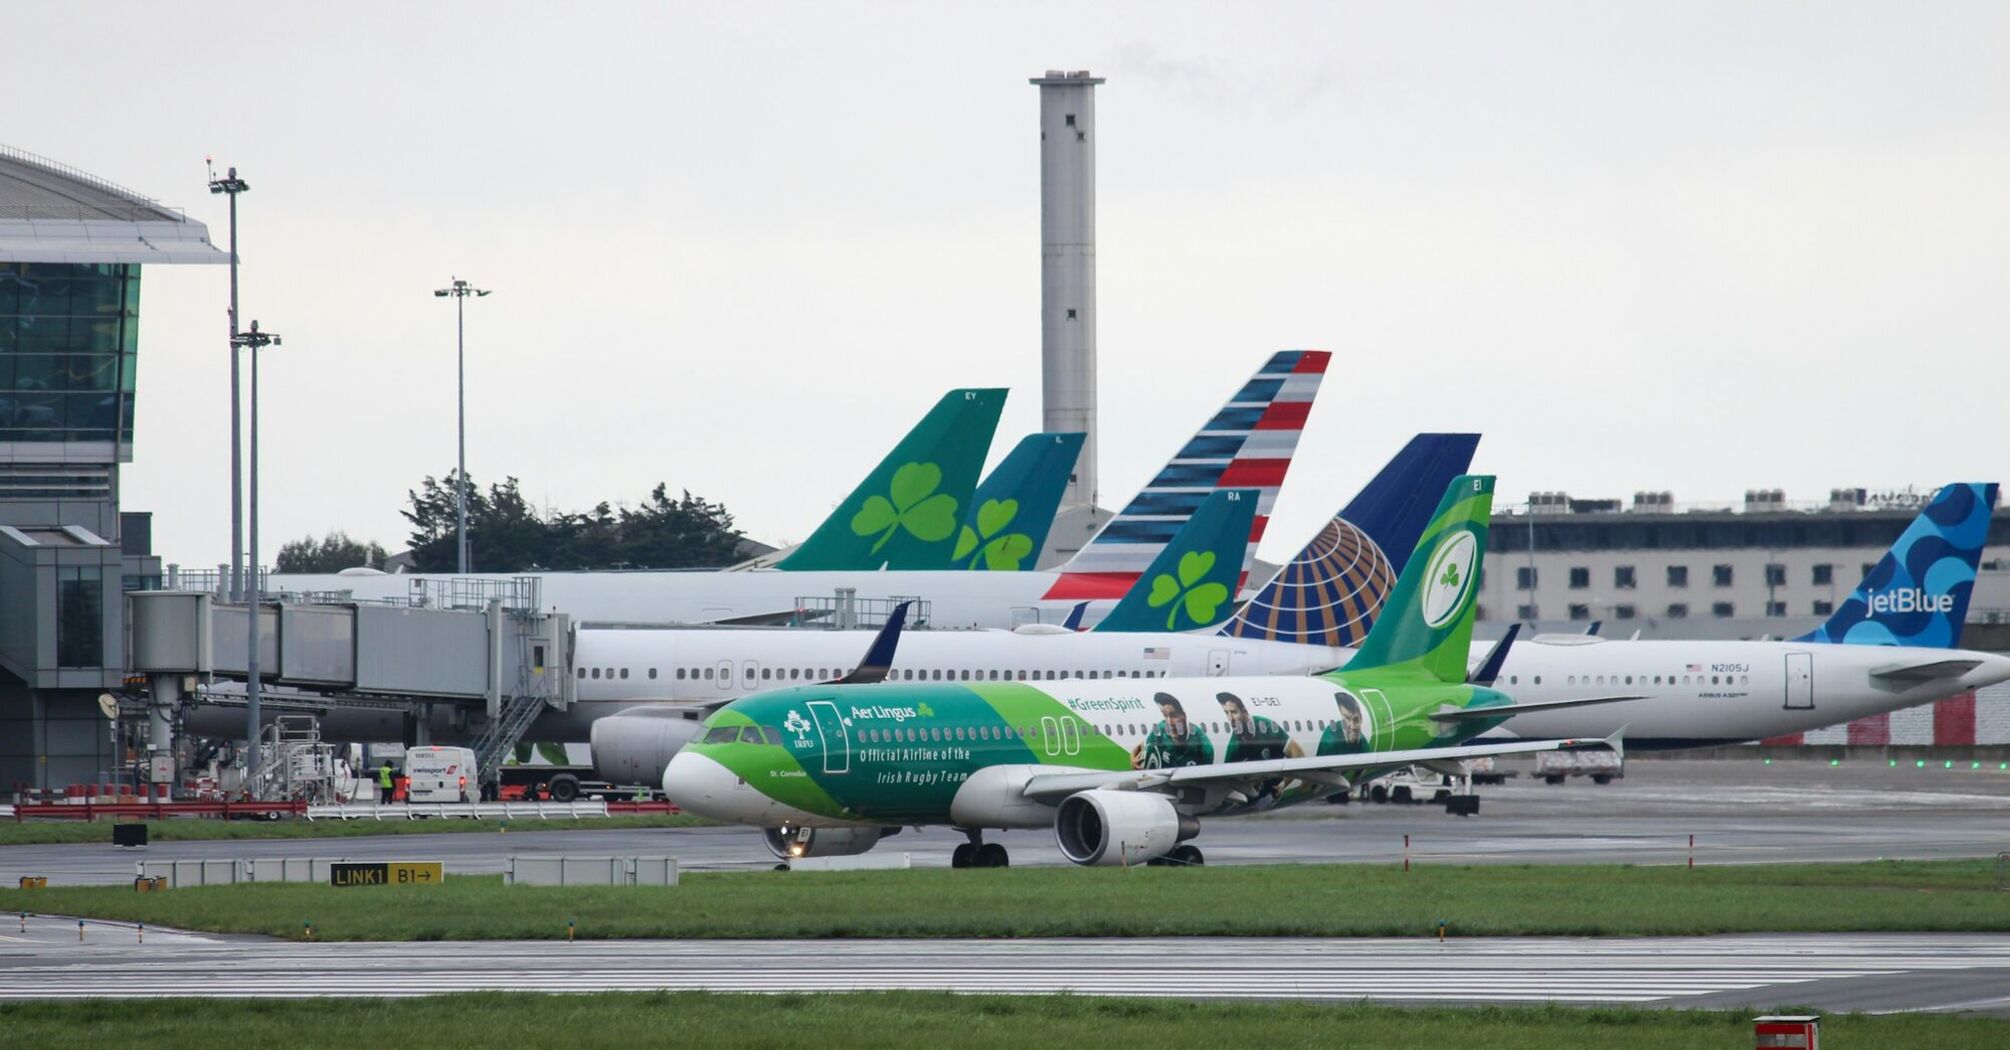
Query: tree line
[507, 534]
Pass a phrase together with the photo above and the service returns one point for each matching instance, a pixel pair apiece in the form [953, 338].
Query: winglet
[879, 657]
[1617, 741]
[1592, 631]
[1490, 668]
[1074, 620]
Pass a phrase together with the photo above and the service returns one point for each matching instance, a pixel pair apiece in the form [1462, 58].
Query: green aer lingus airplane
[1121, 768]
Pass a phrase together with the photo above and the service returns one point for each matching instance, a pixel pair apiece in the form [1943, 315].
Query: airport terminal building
[72, 249]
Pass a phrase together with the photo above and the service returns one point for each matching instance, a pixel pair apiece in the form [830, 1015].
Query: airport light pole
[460, 290]
[231, 185]
[252, 340]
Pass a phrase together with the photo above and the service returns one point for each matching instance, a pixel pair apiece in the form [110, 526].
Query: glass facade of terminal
[67, 338]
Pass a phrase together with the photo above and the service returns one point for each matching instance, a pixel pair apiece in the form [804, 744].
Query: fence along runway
[1837, 972]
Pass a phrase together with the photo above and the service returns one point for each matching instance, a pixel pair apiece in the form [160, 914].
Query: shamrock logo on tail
[1200, 600]
[1451, 575]
[1001, 553]
[927, 515]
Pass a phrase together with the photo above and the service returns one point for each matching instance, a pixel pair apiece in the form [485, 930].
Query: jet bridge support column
[163, 696]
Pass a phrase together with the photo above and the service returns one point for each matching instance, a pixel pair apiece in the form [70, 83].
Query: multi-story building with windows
[1763, 567]
[72, 247]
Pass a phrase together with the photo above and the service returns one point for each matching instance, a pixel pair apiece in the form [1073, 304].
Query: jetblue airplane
[1248, 444]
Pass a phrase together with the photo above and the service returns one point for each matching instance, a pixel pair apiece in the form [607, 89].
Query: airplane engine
[634, 746]
[1119, 827]
[790, 843]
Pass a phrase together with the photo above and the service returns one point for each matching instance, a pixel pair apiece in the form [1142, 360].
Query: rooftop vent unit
[1759, 500]
[1848, 499]
[1549, 503]
[1653, 502]
[1594, 506]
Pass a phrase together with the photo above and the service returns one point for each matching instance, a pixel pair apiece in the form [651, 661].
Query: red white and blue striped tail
[1247, 445]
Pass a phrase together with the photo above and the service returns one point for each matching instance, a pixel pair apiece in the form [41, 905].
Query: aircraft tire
[1186, 856]
[962, 857]
[992, 855]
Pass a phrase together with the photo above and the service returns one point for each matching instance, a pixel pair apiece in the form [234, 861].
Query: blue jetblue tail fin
[1014, 506]
[1917, 594]
[1329, 594]
[1191, 584]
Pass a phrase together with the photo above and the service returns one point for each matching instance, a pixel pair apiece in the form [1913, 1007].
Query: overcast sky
[1697, 247]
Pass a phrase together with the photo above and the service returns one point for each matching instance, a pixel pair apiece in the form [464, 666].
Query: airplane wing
[1450, 714]
[1044, 787]
[1925, 670]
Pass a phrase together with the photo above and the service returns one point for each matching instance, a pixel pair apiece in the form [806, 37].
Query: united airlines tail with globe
[1122, 769]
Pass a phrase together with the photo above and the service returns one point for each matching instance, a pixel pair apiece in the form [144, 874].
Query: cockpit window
[771, 735]
[723, 735]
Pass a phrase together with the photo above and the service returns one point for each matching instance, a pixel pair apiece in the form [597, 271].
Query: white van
[441, 774]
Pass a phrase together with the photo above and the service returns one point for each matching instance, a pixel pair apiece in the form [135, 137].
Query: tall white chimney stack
[1068, 266]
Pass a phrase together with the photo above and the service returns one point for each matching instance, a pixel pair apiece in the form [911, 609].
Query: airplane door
[1801, 681]
[725, 676]
[1217, 663]
[834, 734]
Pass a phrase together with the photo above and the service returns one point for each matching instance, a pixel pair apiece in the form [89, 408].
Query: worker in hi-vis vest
[384, 782]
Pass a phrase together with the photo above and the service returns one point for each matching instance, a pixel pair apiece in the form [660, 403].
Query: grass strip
[919, 1019]
[191, 829]
[1299, 900]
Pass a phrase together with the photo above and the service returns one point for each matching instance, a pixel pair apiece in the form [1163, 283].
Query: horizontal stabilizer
[1925, 671]
[1448, 713]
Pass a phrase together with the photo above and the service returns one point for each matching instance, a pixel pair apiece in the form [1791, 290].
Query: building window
[1721, 575]
[1678, 611]
[1678, 576]
[1622, 612]
[1825, 575]
[1580, 577]
[1723, 610]
[1524, 578]
[1524, 612]
[1623, 578]
[1776, 575]
[1580, 612]
[1824, 608]
[1776, 608]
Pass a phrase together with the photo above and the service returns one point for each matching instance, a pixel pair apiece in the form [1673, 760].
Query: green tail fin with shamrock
[905, 514]
[1192, 582]
[1426, 626]
[1006, 527]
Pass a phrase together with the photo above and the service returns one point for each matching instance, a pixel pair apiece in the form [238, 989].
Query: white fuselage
[1701, 693]
[955, 598]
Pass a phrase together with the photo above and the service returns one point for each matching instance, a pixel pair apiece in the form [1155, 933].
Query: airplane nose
[699, 784]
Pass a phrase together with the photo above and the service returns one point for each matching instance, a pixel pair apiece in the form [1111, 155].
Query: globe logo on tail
[1448, 577]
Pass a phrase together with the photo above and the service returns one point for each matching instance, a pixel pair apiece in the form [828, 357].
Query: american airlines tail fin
[1917, 594]
[1248, 444]
[1329, 594]
[1428, 624]
[1191, 584]
[1006, 526]
[904, 515]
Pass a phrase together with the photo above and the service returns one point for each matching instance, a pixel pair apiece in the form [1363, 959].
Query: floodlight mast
[231, 185]
[252, 340]
[460, 290]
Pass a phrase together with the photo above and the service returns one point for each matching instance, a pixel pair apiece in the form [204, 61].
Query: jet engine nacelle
[634, 746]
[791, 843]
[1119, 827]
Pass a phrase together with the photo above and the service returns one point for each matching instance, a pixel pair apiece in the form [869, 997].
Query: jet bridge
[494, 654]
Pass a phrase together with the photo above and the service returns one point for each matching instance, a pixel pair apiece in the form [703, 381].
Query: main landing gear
[1184, 855]
[978, 853]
